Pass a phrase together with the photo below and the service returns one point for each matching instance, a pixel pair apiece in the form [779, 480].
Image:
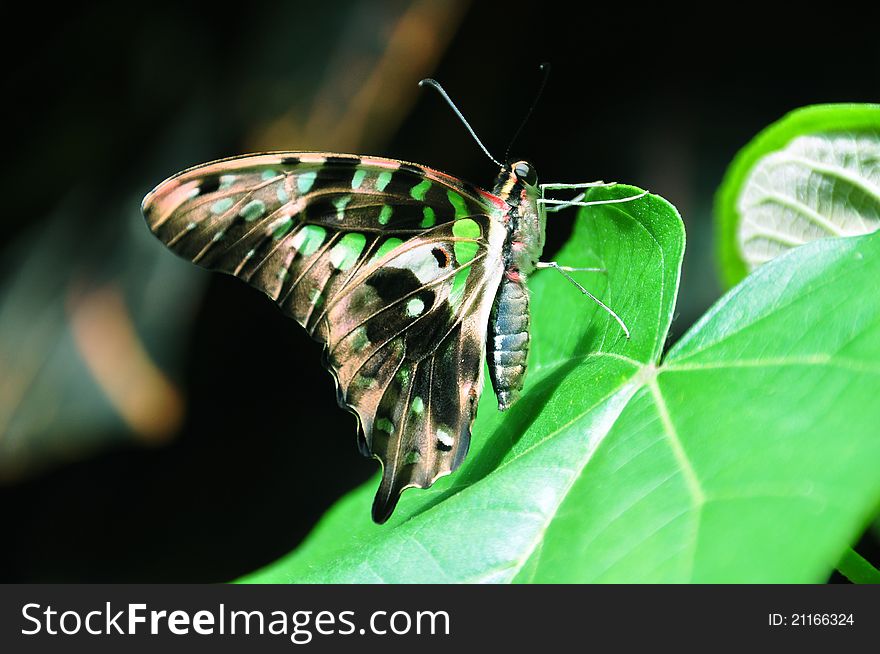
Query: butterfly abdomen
[508, 340]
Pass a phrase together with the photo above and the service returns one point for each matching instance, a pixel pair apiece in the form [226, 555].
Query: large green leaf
[752, 453]
[815, 173]
[749, 455]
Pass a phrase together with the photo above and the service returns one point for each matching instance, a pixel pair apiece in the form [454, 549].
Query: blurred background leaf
[815, 173]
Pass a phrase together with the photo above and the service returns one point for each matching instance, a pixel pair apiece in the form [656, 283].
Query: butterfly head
[516, 177]
[525, 172]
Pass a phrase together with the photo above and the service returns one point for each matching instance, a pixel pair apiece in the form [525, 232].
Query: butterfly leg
[553, 264]
[552, 205]
[580, 196]
[564, 204]
[570, 203]
[564, 270]
[558, 186]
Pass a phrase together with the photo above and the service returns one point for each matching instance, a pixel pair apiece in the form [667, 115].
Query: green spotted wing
[393, 266]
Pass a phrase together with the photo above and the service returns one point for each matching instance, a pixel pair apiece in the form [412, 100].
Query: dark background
[105, 102]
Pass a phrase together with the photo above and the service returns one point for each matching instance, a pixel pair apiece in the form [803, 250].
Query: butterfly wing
[406, 342]
[393, 266]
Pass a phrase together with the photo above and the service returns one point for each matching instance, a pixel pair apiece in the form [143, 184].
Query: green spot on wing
[309, 239]
[429, 217]
[304, 182]
[357, 179]
[415, 307]
[347, 250]
[382, 180]
[268, 174]
[458, 284]
[221, 205]
[283, 228]
[340, 204]
[384, 424]
[252, 210]
[386, 247]
[418, 191]
[385, 214]
[417, 406]
[360, 340]
[465, 228]
[457, 203]
[226, 181]
[465, 251]
[364, 382]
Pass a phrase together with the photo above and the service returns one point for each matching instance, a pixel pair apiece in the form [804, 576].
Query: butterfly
[408, 276]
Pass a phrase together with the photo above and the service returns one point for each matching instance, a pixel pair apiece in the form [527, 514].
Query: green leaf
[749, 455]
[855, 568]
[813, 174]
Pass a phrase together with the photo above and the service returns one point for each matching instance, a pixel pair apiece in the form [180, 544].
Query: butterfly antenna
[545, 68]
[436, 85]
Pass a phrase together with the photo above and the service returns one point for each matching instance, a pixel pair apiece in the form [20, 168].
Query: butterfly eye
[526, 172]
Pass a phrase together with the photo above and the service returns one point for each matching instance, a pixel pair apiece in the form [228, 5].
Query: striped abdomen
[508, 341]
